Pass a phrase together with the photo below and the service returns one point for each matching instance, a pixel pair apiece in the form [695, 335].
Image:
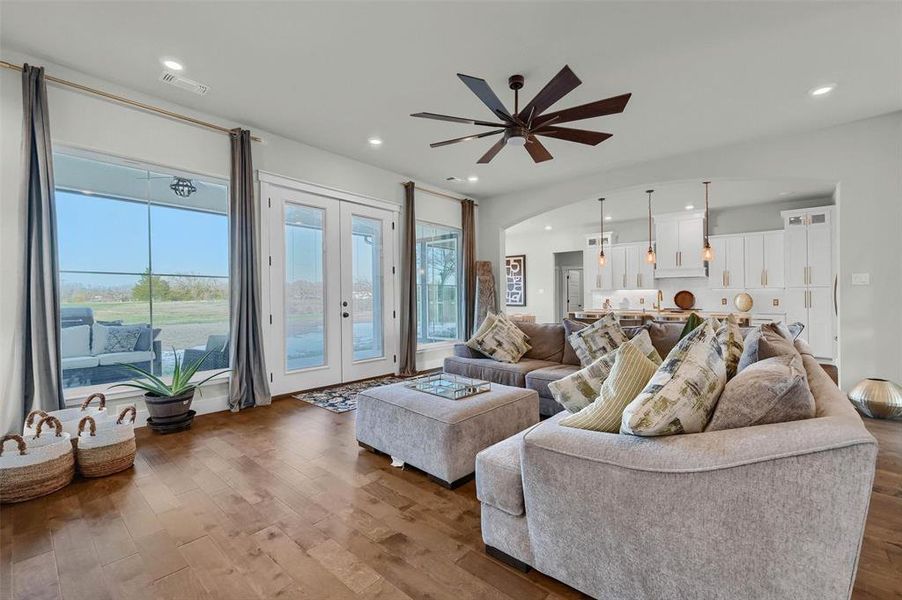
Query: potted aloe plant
[169, 403]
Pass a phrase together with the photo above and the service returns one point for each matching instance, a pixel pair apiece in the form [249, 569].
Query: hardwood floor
[279, 502]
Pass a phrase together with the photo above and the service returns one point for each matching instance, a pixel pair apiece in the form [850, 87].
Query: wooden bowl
[684, 299]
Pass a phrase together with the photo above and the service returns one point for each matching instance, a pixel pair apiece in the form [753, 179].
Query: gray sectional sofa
[772, 511]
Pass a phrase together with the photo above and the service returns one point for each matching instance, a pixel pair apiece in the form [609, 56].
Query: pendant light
[602, 260]
[650, 257]
[707, 250]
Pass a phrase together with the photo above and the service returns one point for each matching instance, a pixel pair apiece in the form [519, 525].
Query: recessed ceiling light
[822, 90]
[472, 178]
[608, 218]
[374, 141]
[690, 206]
[548, 228]
[173, 65]
[784, 193]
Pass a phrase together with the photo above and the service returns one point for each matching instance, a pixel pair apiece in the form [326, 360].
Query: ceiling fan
[521, 127]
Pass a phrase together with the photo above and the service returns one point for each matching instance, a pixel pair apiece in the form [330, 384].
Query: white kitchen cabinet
[727, 270]
[810, 277]
[808, 247]
[646, 269]
[763, 260]
[617, 264]
[678, 244]
[814, 308]
[596, 277]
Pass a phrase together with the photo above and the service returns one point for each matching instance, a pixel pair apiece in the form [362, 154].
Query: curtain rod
[436, 192]
[128, 102]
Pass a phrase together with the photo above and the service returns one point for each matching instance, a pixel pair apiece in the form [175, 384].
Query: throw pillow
[598, 339]
[750, 344]
[729, 336]
[578, 390]
[681, 395]
[503, 341]
[630, 373]
[483, 327]
[114, 338]
[691, 323]
[772, 390]
[75, 341]
[772, 342]
[571, 327]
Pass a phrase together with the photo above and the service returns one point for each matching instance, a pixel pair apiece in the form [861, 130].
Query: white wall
[863, 158]
[87, 122]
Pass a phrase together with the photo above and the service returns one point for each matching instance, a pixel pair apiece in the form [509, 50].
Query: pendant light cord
[707, 183]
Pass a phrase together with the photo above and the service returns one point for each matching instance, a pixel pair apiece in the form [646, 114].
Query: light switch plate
[723, 301]
[641, 300]
[861, 279]
[776, 302]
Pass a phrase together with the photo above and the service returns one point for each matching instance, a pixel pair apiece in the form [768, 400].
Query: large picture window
[438, 289]
[143, 267]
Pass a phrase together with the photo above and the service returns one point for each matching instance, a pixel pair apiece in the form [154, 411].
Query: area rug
[343, 398]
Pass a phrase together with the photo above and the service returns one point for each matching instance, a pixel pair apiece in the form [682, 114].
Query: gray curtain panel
[42, 385]
[249, 384]
[407, 361]
[468, 222]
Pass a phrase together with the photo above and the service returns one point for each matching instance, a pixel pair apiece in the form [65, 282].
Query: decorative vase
[877, 398]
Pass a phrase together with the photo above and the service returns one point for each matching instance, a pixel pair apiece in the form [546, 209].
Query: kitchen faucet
[659, 302]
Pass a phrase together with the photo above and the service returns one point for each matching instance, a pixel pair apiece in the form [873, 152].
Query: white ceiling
[630, 204]
[333, 74]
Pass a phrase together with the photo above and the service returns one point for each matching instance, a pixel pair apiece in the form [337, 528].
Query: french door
[331, 289]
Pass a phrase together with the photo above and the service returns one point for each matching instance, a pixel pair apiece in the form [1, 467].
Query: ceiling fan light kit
[523, 126]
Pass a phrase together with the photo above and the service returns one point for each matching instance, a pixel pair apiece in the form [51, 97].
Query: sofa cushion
[579, 389]
[118, 358]
[513, 374]
[75, 341]
[114, 338]
[503, 341]
[629, 375]
[598, 339]
[571, 327]
[546, 340]
[79, 362]
[682, 393]
[664, 335]
[773, 390]
[774, 342]
[498, 478]
[539, 379]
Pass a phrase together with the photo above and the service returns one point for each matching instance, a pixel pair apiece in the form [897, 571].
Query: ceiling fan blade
[608, 106]
[428, 115]
[580, 136]
[466, 138]
[482, 90]
[495, 149]
[560, 85]
[537, 151]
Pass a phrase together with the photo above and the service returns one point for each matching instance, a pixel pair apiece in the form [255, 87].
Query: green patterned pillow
[630, 373]
[483, 327]
[503, 341]
[730, 338]
[577, 391]
[683, 392]
[599, 338]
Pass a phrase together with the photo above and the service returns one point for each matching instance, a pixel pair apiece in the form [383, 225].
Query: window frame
[422, 282]
[73, 396]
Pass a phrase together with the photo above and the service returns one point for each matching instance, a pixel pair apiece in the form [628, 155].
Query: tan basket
[106, 448]
[42, 465]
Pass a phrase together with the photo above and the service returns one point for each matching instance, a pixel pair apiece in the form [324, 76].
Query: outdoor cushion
[75, 341]
[512, 374]
[79, 362]
[115, 358]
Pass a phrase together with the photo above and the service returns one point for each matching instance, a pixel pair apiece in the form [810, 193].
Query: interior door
[573, 290]
[304, 341]
[367, 292]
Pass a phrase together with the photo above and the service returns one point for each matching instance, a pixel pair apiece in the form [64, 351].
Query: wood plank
[35, 578]
[214, 571]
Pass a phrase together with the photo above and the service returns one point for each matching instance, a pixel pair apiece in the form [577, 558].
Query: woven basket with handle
[69, 417]
[106, 447]
[42, 463]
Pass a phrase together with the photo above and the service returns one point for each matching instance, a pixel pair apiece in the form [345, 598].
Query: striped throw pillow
[630, 373]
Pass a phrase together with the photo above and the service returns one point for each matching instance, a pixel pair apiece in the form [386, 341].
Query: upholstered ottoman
[437, 435]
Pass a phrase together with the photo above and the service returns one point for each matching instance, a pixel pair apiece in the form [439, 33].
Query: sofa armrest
[773, 511]
[464, 351]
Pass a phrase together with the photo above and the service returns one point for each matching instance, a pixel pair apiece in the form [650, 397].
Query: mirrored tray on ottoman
[452, 387]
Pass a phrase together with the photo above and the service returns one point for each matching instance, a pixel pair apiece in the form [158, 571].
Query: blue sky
[100, 234]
